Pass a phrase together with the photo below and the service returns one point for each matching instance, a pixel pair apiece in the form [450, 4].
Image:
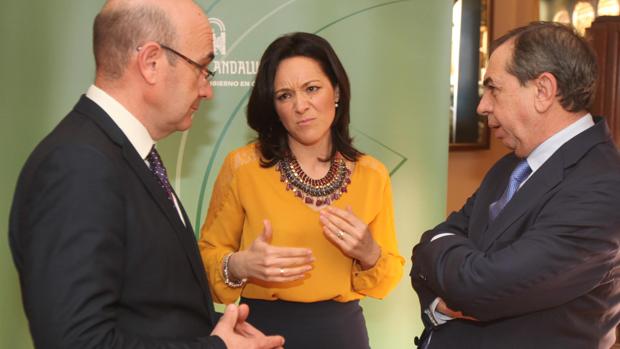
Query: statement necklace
[317, 192]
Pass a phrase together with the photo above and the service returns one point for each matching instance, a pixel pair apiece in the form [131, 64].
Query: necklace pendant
[317, 192]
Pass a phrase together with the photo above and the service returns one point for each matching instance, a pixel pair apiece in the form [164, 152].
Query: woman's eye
[283, 96]
[313, 88]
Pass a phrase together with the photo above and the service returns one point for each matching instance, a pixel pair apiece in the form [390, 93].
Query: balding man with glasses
[104, 249]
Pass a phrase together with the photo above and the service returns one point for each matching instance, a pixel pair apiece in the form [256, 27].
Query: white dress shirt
[133, 129]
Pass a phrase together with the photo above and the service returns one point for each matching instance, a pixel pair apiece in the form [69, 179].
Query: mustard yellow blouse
[245, 194]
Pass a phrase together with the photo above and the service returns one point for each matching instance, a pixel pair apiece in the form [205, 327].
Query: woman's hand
[345, 230]
[265, 262]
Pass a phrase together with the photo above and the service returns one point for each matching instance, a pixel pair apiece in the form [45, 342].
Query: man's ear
[149, 61]
[546, 91]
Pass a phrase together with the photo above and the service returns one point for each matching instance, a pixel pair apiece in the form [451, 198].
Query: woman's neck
[308, 157]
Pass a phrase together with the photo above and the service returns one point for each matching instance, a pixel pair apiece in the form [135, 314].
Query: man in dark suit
[105, 252]
[532, 259]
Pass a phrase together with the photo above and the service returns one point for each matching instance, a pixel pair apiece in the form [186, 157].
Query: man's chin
[508, 144]
[186, 124]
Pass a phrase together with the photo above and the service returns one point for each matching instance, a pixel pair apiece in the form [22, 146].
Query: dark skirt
[318, 325]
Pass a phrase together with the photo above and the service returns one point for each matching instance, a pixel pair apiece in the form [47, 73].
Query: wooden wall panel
[604, 35]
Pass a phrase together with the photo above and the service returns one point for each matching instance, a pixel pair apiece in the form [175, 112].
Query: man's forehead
[499, 59]
[198, 33]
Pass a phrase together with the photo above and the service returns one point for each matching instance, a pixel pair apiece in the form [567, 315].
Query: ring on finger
[340, 234]
[281, 271]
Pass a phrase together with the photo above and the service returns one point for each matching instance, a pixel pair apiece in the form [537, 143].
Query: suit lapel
[490, 191]
[547, 177]
[539, 184]
[184, 233]
[197, 265]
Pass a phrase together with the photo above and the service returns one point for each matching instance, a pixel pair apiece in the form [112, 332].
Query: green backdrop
[396, 54]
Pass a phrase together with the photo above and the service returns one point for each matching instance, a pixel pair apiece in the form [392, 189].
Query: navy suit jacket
[544, 273]
[103, 258]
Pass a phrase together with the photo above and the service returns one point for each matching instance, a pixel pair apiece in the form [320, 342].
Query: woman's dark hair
[261, 113]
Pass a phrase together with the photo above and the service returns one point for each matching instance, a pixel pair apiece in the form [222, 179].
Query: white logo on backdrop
[219, 35]
[230, 73]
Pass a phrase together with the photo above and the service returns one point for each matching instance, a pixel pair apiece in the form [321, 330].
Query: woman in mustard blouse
[300, 224]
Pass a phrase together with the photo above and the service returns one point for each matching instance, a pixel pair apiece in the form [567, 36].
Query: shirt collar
[133, 129]
[544, 151]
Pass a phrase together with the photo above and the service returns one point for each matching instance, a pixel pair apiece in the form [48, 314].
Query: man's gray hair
[118, 32]
[557, 49]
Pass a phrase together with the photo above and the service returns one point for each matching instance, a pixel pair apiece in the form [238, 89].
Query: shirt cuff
[437, 318]
[369, 278]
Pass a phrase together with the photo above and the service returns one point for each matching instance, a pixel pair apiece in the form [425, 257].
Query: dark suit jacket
[545, 273]
[104, 260]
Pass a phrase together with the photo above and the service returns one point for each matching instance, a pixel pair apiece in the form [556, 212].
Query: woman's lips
[305, 121]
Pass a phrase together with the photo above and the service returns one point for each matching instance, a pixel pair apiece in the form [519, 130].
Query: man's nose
[206, 90]
[484, 106]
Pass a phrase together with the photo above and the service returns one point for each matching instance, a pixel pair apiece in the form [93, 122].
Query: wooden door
[604, 35]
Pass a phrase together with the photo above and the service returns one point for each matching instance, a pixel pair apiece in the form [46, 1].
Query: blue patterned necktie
[518, 175]
[158, 169]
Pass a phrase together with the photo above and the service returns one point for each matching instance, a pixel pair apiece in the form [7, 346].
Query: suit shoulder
[600, 163]
[74, 134]
[75, 129]
[608, 156]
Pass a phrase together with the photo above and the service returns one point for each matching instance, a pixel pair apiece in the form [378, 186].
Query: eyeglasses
[202, 67]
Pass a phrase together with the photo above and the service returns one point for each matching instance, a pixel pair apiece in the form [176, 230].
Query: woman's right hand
[265, 262]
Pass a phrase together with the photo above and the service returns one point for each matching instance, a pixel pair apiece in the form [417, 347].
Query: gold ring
[340, 235]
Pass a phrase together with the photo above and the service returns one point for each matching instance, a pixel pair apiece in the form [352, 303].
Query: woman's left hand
[345, 230]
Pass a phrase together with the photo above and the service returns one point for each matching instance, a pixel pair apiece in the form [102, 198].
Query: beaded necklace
[317, 192]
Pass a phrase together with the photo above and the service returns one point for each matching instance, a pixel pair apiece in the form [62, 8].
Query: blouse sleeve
[221, 232]
[379, 280]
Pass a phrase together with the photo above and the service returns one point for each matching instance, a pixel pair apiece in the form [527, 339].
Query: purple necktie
[518, 175]
[157, 167]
